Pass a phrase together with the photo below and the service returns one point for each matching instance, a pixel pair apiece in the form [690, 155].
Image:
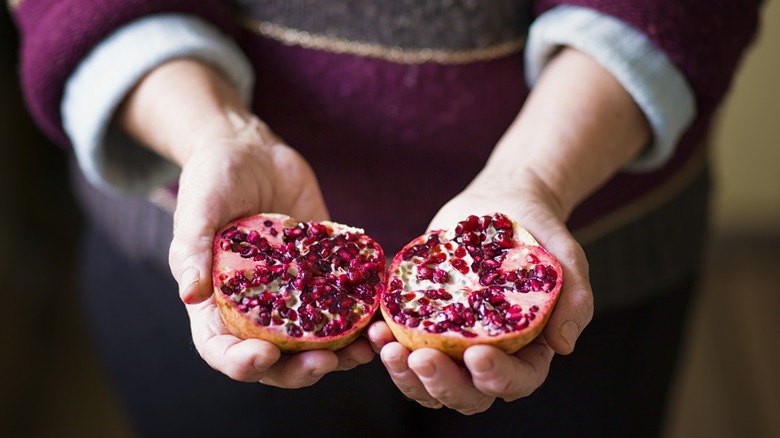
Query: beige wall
[748, 139]
[729, 385]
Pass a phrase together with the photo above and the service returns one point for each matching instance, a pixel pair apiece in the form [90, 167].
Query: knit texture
[58, 34]
[704, 38]
[656, 86]
[108, 157]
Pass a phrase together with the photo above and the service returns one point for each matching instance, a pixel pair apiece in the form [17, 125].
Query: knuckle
[411, 391]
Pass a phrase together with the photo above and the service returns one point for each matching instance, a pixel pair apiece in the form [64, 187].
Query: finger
[357, 353]
[497, 374]
[448, 382]
[379, 335]
[200, 211]
[190, 254]
[395, 357]
[574, 308]
[300, 370]
[190, 262]
[242, 360]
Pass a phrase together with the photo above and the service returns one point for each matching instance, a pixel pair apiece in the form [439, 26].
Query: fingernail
[395, 364]
[425, 369]
[569, 332]
[316, 373]
[188, 277]
[482, 366]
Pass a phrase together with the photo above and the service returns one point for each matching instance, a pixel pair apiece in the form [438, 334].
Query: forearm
[198, 103]
[577, 128]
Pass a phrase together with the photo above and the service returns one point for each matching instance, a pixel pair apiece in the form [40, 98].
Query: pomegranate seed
[501, 222]
[490, 264]
[552, 275]
[502, 240]
[437, 258]
[424, 273]
[396, 284]
[521, 323]
[460, 266]
[484, 222]
[440, 276]
[394, 309]
[294, 331]
[470, 238]
[488, 278]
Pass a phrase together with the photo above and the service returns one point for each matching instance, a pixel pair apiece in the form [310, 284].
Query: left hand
[432, 378]
[578, 127]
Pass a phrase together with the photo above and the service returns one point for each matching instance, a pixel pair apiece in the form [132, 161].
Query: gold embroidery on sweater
[646, 203]
[294, 37]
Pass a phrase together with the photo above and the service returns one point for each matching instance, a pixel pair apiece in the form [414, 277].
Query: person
[586, 121]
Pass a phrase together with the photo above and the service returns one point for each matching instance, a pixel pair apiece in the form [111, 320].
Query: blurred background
[51, 383]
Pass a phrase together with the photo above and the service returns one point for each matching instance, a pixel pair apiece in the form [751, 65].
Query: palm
[513, 376]
[217, 185]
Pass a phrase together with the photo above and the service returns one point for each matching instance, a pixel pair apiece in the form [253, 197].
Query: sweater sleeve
[704, 39]
[95, 89]
[656, 85]
[56, 35]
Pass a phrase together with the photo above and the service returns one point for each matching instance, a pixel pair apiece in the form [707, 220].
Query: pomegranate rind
[244, 324]
[453, 343]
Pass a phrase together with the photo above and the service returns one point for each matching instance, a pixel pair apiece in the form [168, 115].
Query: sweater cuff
[95, 89]
[653, 81]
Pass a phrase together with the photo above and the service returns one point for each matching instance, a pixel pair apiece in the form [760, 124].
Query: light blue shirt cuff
[109, 158]
[654, 82]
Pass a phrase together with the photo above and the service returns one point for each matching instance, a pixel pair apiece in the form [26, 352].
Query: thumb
[574, 309]
[190, 257]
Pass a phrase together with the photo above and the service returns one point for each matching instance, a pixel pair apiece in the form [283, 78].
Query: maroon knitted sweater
[376, 130]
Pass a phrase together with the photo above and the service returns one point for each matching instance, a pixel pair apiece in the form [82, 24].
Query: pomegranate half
[486, 281]
[300, 285]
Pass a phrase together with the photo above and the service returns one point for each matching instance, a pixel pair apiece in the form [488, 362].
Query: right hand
[232, 166]
[225, 179]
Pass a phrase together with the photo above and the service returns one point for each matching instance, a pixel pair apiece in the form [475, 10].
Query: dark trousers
[614, 385]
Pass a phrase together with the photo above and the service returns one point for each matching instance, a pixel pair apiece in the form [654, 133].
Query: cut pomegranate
[300, 285]
[486, 281]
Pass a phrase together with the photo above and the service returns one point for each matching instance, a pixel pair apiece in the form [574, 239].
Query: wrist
[523, 186]
[179, 105]
[577, 129]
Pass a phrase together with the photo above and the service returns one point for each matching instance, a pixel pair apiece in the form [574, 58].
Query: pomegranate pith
[300, 285]
[486, 281]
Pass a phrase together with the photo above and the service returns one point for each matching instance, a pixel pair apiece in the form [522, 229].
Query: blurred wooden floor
[729, 385]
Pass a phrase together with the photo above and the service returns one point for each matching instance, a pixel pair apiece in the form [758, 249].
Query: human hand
[222, 180]
[232, 166]
[577, 128]
[432, 378]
